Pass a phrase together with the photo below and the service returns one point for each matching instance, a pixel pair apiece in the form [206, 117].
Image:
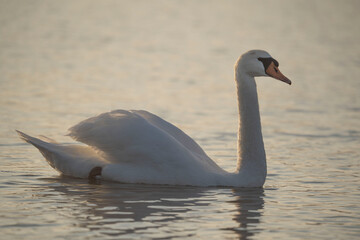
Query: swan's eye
[275, 69]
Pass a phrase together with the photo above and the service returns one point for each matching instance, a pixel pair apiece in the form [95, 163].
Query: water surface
[63, 61]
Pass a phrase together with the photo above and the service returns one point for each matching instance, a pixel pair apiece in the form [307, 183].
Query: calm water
[63, 61]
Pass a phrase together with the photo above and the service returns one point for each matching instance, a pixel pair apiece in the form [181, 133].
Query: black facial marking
[267, 61]
[276, 63]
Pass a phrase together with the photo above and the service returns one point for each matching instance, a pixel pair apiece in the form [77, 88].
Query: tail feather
[34, 141]
[44, 147]
[76, 161]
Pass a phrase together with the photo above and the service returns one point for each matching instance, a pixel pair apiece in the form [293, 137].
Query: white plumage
[140, 147]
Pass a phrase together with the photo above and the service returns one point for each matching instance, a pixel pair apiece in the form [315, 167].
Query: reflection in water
[248, 203]
[114, 209]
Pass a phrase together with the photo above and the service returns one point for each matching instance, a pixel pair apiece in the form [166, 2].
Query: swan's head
[259, 63]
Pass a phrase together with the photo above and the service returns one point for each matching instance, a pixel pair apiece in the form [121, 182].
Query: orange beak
[273, 71]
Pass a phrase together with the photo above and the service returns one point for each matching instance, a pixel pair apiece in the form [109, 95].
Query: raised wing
[175, 132]
[136, 136]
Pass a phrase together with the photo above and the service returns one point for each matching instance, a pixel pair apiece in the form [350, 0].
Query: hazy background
[64, 61]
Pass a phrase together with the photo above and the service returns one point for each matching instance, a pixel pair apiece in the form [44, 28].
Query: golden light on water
[62, 62]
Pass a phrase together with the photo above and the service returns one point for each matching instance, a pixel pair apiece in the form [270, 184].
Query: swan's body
[140, 147]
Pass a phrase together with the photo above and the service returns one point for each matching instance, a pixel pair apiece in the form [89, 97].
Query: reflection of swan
[153, 211]
[248, 204]
[139, 147]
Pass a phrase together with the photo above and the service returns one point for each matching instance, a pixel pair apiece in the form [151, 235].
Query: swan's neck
[251, 152]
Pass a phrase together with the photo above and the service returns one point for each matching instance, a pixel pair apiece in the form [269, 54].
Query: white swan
[140, 147]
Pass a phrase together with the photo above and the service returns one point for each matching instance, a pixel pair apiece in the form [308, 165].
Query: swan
[137, 146]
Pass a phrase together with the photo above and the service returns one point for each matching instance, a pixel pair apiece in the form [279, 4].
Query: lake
[64, 61]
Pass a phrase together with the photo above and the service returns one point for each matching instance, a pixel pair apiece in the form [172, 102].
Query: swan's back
[142, 147]
[139, 137]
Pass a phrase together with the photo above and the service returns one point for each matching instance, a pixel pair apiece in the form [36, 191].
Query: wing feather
[136, 136]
